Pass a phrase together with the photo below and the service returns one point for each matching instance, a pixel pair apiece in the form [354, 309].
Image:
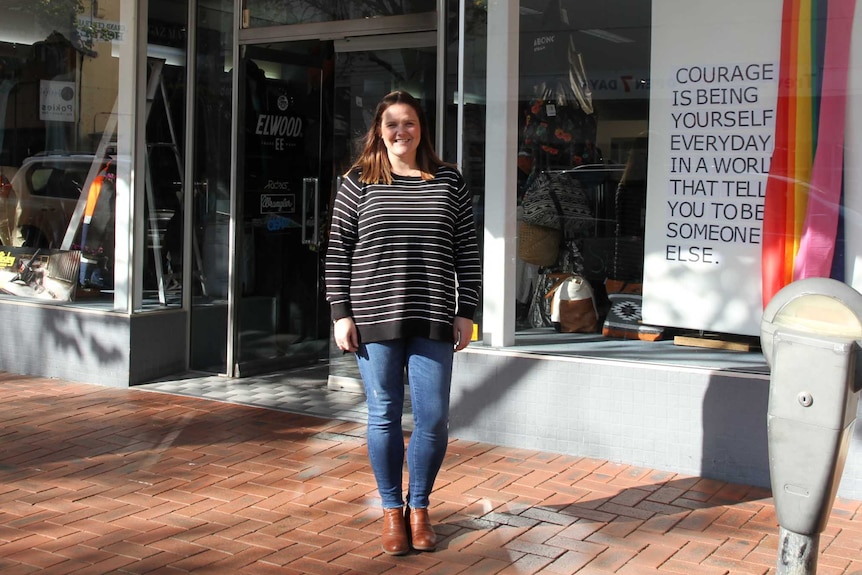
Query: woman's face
[400, 131]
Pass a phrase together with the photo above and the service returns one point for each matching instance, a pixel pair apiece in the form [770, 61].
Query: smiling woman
[403, 276]
[401, 133]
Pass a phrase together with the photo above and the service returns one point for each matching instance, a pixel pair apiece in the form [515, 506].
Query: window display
[750, 145]
[59, 84]
[576, 105]
[714, 155]
[66, 142]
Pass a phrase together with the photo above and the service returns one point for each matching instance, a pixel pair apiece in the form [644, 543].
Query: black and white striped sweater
[402, 258]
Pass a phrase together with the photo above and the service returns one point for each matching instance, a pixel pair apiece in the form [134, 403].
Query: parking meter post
[797, 553]
[810, 334]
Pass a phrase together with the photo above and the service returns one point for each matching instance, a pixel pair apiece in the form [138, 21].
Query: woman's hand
[462, 332]
[346, 336]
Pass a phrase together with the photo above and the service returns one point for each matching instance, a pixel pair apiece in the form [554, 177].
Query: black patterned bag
[574, 217]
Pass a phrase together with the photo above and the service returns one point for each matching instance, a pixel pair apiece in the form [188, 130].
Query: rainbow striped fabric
[802, 211]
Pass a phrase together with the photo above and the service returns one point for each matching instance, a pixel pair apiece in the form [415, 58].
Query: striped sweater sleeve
[468, 268]
[342, 242]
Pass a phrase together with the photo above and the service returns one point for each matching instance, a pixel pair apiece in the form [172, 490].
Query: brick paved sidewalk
[96, 480]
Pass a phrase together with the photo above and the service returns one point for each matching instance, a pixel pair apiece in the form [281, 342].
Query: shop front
[168, 168]
[702, 155]
[164, 212]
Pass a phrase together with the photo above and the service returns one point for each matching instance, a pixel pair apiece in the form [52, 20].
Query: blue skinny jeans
[429, 373]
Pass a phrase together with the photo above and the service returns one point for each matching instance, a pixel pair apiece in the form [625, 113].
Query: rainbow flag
[803, 190]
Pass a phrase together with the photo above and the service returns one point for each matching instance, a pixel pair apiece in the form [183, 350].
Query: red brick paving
[100, 480]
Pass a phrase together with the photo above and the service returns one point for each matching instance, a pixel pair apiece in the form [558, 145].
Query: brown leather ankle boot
[422, 535]
[394, 538]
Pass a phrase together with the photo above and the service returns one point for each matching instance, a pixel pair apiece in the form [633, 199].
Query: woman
[403, 276]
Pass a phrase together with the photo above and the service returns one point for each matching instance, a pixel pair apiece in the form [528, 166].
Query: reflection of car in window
[37, 206]
[42, 198]
[38, 201]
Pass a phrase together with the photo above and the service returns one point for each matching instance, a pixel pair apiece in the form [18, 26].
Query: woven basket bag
[538, 245]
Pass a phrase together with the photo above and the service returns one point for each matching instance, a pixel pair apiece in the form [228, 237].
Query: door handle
[311, 211]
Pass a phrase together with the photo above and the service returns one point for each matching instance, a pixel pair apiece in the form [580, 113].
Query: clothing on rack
[559, 126]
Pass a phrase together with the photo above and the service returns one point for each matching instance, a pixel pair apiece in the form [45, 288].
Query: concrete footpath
[97, 480]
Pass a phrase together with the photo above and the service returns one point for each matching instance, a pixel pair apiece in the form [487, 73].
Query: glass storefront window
[699, 162]
[583, 131]
[165, 156]
[259, 13]
[468, 75]
[63, 156]
[66, 145]
[211, 205]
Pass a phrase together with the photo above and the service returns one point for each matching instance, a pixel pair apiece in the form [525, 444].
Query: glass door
[366, 69]
[305, 107]
[284, 186]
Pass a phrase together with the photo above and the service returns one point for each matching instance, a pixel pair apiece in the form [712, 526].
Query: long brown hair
[373, 161]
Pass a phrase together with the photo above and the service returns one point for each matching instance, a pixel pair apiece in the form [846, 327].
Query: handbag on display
[557, 200]
[625, 318]
[541, 228]
[538, 245]
[569, 262]
[573, 307]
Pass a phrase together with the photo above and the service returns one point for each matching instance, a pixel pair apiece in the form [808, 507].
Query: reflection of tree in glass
[61, 12]
[293, 12]
[62, 16]
[476, 18]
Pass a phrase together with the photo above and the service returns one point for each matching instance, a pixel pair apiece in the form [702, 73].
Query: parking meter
[810, 335]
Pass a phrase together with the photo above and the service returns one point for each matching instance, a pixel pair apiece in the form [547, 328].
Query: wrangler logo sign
[277, 203]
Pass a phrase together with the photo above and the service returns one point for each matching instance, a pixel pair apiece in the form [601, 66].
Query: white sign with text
[57, 101]
[712, 122]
